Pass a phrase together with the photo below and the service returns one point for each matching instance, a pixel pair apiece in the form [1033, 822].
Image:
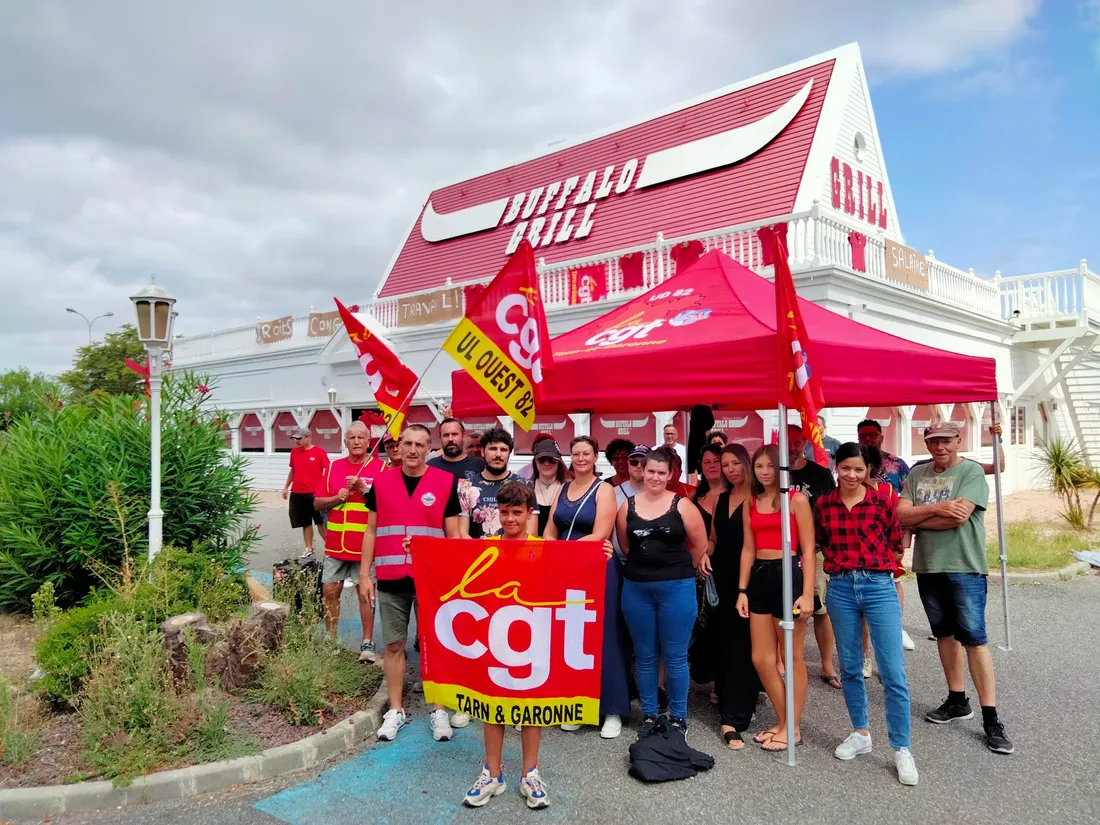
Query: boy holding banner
[515, 504]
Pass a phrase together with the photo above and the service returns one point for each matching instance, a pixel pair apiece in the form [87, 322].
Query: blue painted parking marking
[411, 780]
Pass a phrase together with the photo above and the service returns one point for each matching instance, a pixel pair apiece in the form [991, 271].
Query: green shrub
[74, 492]
[300, 680]
[66, 651]
[179, 581]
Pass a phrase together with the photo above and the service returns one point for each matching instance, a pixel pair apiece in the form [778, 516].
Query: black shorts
[302, 513]
[766, 586]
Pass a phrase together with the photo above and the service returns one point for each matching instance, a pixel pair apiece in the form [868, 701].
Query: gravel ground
[1046, 701]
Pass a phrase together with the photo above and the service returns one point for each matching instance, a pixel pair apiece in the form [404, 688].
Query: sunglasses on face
[637, 462]
[547, 460]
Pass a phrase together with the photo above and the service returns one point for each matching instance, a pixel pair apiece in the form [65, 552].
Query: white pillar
[156, 514]
[582, 424]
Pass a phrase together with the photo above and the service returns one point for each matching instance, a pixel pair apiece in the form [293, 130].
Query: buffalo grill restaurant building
[617, 213]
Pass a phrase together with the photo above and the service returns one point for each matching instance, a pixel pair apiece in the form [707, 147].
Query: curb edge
[50, 800]
[1078, 568]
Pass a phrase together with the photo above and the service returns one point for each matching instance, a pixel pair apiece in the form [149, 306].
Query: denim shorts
[955, 605]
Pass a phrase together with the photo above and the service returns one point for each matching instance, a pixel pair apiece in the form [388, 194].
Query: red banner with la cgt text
[511, 632]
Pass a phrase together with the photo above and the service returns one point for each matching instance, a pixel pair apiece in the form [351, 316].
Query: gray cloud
[263, 156]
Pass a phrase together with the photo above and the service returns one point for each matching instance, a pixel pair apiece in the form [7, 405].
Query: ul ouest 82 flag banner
[511, 632]
[502, 341]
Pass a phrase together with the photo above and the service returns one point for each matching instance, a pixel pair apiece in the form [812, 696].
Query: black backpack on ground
[665, 755]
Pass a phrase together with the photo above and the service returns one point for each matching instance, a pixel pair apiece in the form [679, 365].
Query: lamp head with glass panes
[154, 316]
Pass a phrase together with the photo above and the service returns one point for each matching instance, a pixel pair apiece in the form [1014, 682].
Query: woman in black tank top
[663, 537]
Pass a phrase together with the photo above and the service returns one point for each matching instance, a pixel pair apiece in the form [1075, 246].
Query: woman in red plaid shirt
[860, 536]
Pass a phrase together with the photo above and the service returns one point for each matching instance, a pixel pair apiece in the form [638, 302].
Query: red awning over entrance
[707, 336]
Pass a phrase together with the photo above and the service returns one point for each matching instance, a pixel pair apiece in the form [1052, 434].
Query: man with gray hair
[342, 492]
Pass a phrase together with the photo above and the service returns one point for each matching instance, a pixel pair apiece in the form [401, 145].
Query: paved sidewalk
[1047, 701]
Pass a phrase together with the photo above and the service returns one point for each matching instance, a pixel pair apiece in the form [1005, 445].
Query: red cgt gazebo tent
[707, 336]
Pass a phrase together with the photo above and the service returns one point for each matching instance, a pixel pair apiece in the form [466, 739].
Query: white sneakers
[392, 722]
[531, 787]
[907, 768]
[485, 788]
[570, 727]
[907, 642]
[855, 745]
[441, 726]
[860, 743]
[612, 727]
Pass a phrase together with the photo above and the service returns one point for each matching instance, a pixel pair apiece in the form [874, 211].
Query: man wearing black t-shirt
[424, 486]
[813, 481]
[455, 460]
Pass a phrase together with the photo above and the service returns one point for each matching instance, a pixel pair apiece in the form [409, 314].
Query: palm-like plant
[1068, 475]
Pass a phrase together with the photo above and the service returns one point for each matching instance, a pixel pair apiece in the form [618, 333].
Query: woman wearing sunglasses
[548, 477]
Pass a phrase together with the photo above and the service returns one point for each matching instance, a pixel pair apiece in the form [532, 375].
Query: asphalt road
[1047, 699]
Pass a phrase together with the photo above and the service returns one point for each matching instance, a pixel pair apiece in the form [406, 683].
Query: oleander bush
[74, 491]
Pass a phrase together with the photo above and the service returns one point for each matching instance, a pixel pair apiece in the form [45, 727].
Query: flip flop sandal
[771, 746]
[734, 736]
[831, 681]
[762, 737]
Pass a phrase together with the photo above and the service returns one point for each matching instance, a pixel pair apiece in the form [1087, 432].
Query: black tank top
[658, 547]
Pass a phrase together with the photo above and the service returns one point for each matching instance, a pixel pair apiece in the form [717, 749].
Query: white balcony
[818, 239]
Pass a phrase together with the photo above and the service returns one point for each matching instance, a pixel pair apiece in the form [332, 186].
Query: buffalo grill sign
[560, 210]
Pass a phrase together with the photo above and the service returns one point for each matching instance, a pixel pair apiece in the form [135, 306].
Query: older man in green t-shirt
[944, 501]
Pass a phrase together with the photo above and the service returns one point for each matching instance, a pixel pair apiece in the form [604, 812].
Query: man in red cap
[944, 502]
[308, 466]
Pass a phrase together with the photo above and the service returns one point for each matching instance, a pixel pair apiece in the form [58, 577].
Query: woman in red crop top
[760, 598]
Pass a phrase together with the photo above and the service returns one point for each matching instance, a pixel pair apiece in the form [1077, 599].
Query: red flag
[799, 387]
[502, 341]
[587, 283]
[390, 380]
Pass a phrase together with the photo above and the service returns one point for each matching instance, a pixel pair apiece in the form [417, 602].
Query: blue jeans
[870, 594]
[661, 616]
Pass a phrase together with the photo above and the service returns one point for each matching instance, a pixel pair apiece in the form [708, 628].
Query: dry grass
[17, 635]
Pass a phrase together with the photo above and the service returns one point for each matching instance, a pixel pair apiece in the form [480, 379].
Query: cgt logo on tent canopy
[637, 328]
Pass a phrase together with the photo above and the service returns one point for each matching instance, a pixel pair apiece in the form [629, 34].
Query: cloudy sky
[260, 156]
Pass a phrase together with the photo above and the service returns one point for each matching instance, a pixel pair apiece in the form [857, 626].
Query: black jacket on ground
[665, 755]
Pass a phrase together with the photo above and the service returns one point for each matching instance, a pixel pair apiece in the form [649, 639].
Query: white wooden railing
[1045, 294]
[816, 239]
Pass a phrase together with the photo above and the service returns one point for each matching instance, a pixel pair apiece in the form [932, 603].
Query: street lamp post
[155, 318]
[89, 323]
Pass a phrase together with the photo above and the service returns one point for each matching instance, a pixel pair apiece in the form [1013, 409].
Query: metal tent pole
[788, 588]
[1003, 557]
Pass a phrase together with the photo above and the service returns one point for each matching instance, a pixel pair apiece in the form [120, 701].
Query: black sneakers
[949, 711]
[996, 739]
[648, 726]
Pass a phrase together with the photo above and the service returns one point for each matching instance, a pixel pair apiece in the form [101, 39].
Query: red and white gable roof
[764, 148]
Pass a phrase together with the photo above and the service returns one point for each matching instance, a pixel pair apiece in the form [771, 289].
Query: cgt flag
[502, 340]
[798, 386]
[511, 632]
[390, 380]
[587, 284]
